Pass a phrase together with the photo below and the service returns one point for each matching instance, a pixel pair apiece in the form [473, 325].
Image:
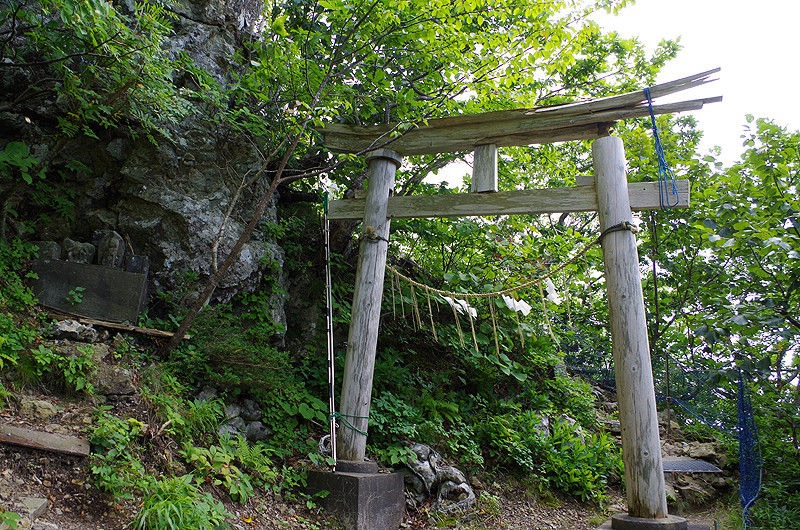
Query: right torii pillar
[641, 445]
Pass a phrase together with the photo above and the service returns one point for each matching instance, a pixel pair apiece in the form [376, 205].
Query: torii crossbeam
[610, 195]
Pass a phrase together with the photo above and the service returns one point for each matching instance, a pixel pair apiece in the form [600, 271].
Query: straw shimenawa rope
[456, 299]
[625, 225]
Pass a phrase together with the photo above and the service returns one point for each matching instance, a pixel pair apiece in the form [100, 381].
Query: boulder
[114, 381]
[48, 249]
[694, 494]
[232, 411]
[250, 410]
[233, 427]
[78, 252]
[73, 330]
[37, 409]
[704, 451]
[257, 432]
[169, 197]
[207, 393]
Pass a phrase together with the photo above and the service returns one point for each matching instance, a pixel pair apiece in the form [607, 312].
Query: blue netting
[750, 461]
[700, 398]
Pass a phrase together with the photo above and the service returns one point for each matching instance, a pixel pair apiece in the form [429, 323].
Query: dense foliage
[497, 392]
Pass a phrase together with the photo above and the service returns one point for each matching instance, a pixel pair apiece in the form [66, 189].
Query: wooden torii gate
[610, 195]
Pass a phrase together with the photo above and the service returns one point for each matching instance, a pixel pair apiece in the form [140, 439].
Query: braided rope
[625, 225]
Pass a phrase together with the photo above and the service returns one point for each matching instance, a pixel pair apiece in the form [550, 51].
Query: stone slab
[351, 466]
[107, 294]
[33, 507]
[45, 441]
[623, 521]
[685, 464]
[361, 501]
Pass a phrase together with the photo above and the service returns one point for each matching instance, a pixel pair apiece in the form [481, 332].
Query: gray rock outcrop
[171, 199]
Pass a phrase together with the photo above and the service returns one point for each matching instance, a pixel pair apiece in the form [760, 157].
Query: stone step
[29, 509]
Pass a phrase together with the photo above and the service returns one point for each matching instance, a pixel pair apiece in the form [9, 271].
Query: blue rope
[667, 183]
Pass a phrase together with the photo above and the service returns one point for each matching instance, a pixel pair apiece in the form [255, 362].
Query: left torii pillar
[362, 498]
[365, 313]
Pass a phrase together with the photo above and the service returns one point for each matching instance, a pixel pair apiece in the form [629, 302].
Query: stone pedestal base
[361, 501]
[622, 521]
[367, 467]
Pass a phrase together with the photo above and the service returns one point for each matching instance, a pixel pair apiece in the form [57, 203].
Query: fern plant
[177, 503]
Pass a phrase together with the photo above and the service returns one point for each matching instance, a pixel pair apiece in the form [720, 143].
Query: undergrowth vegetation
[488, 382]
[478, 417]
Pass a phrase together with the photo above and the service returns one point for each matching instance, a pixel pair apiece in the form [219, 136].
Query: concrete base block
[361, 501]
[623, 521]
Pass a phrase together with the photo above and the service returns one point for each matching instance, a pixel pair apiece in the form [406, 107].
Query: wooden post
[641, 446]
[484, 169]
[365, 313]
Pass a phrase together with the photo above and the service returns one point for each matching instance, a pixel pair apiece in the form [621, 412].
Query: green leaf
[306, 412]
[739, 320]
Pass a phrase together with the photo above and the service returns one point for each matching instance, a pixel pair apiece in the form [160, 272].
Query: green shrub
[566, 458]
[16, 299]
[232, 349]
[14, 340]
[218, 464]
[176, 504]
[114, 467]
[70, 372]
[235, 464]
[15, 296]
[184, 419]
[9, 519]
[775, 512]
[581, 463]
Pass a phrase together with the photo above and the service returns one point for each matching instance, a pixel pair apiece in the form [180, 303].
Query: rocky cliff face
[171, 199]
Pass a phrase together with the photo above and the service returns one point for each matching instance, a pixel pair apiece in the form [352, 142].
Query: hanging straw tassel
[430, 314]
[458, 326]
[494, 326]
[415, 310]
[402, 302]
[392, 281]
[519, 324]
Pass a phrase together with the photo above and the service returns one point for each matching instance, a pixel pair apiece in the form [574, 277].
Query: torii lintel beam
[538, 125]
[642, 195]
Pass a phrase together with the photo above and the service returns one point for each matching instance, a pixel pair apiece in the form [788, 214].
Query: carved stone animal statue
[428, 477]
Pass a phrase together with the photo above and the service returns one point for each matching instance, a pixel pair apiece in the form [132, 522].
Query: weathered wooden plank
[60, 313]
[635, 98]
[517, 127]
[527, 126]
[45, 441]
[580, 107]
[641, 447]
[642, 196]
[484, 169]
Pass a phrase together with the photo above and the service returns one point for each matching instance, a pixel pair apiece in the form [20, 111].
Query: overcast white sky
[755, 43]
